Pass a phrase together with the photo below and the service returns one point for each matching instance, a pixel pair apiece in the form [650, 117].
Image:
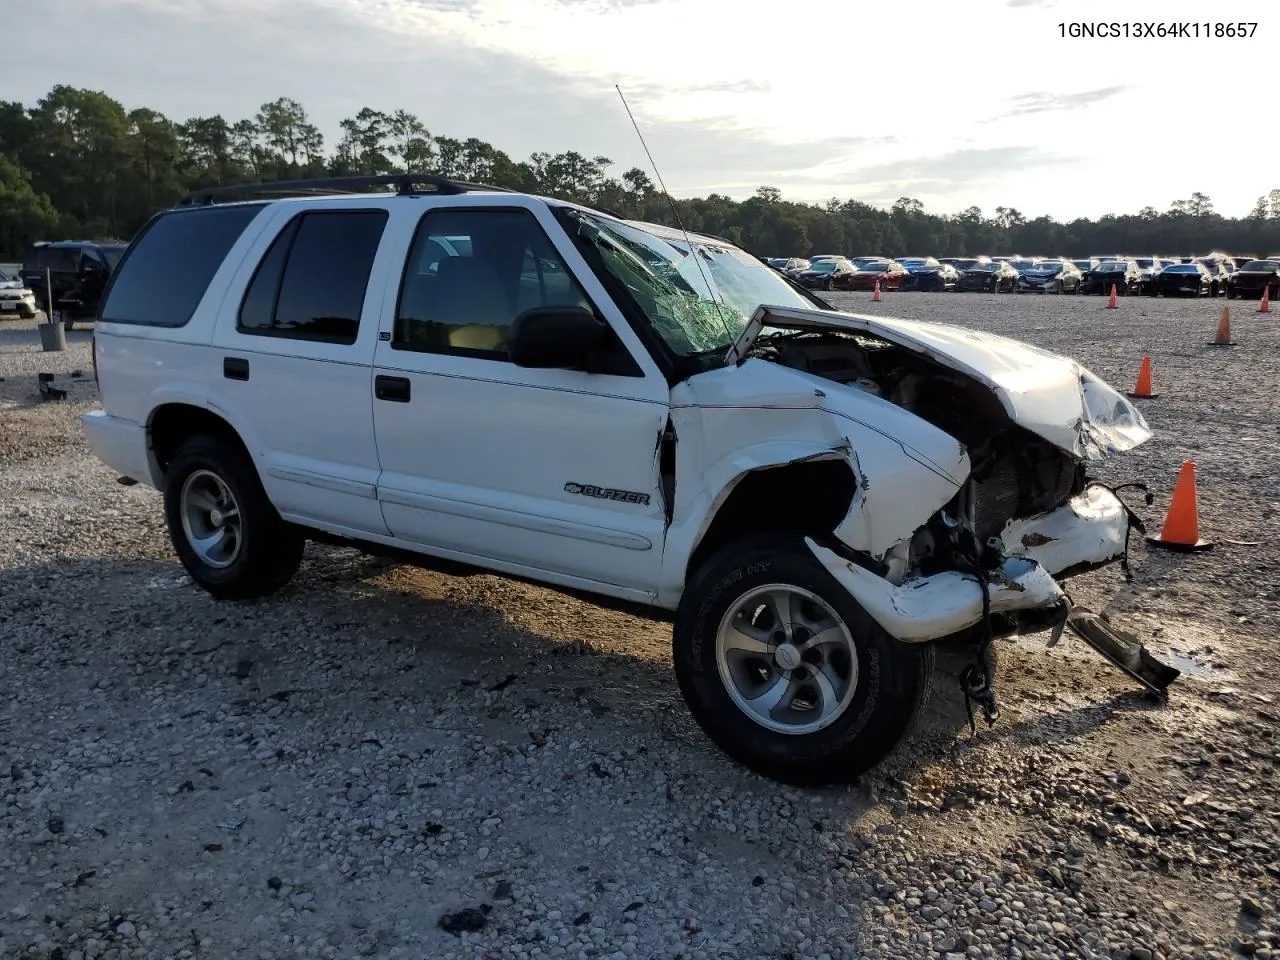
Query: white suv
[15, 298]
[543, 390]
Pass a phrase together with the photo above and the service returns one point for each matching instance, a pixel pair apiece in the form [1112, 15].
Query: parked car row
[1212, 275]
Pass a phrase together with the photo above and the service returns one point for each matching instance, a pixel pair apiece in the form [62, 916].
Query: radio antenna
[697, 257]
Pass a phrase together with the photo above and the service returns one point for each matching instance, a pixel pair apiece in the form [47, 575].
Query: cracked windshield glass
[696, 305]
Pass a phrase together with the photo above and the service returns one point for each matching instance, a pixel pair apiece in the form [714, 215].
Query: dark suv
[77, 272]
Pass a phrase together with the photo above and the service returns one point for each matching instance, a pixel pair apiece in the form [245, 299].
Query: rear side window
[311, 283]
[163, 277]
[53, 259]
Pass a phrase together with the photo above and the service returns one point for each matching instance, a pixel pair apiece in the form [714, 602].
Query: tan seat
[477, 336]
[467, 299]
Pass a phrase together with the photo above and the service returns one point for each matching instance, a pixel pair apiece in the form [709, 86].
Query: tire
[1059, 288]
[877, 708]
[68, 324]
[828, 285]
[266, 551]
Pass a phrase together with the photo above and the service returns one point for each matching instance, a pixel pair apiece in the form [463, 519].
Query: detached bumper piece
[1089, 531]
[1123, 650]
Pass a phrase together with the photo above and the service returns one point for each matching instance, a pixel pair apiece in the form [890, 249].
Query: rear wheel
[222, 526]
[788, 674]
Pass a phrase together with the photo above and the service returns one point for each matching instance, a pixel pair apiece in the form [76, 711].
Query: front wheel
[222, 526]
[786, 672]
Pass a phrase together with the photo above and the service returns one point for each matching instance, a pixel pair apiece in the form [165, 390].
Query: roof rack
[405, 184]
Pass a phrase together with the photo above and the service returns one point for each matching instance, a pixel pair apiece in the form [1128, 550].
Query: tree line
[79, 165]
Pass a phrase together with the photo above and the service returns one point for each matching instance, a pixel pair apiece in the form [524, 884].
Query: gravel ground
[381, 756]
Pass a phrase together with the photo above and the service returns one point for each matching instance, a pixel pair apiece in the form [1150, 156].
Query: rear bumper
[1089, 531]
[120, 444]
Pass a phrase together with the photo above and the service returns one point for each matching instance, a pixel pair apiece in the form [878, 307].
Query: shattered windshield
[696, 300]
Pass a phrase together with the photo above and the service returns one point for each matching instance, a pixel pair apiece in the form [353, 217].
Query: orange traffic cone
[1182, 524]
[1223, 337]
[1143, 388]
[875, 296]
[1265, 306]
[1111, 301]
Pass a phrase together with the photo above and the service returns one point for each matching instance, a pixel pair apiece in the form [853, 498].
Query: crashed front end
[932, 586]
[1021, 514]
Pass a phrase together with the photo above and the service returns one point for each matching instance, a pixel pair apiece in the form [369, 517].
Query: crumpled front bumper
[1088, 531]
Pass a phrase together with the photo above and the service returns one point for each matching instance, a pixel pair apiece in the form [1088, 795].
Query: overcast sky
[980, 102]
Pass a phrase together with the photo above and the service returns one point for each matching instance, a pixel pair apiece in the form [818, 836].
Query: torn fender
[732, 421]
[700, 496]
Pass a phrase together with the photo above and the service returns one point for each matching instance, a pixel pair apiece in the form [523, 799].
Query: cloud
[751, 106]
[947, 174]
[518, 105]
[639, 90]
[1029, 103]
[1031, 3]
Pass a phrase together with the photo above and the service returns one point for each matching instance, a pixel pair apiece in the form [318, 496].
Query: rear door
[293, 359]
[546, 472]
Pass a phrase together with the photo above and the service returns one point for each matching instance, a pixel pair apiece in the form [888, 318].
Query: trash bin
[52, 337]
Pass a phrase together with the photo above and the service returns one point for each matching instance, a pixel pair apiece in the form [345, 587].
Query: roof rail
[405, 184]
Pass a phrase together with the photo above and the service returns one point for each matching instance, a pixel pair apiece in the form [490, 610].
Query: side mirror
[555, 337]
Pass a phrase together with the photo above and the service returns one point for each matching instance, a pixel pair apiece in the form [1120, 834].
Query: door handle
[395, 389]
[235, 368]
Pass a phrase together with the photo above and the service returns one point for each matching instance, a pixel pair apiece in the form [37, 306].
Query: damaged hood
[1048, 394]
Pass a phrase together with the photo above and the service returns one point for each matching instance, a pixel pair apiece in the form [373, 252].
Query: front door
[547, 472]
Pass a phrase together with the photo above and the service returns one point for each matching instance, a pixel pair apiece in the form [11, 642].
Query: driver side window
[469, 274]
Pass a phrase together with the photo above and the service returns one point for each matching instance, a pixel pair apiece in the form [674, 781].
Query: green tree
[208, 151]
[83, 160]
[25, 216]
[287, 133]
[411, 142]
[366, 144]
[79, 163]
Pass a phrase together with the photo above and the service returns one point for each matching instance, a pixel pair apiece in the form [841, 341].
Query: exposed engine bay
[1015, 473]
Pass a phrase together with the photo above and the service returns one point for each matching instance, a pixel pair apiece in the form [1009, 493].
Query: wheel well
[810, 498]
[174, 423]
